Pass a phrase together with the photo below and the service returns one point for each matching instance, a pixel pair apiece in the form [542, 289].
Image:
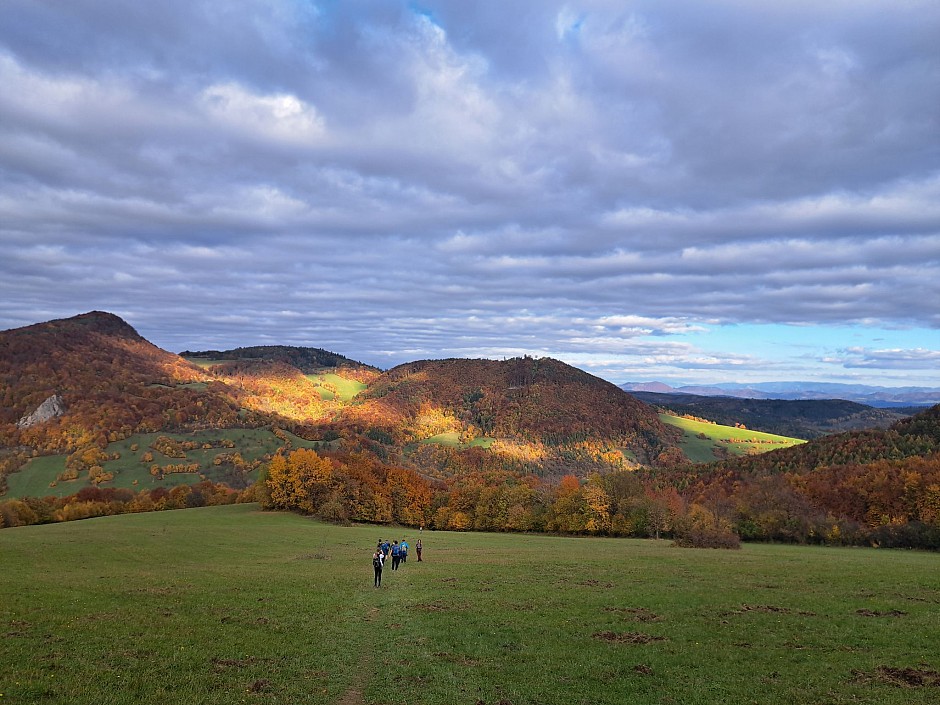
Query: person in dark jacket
[396, 555]
[378, 562]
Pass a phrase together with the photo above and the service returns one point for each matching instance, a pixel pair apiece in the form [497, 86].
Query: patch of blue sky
[820, 350]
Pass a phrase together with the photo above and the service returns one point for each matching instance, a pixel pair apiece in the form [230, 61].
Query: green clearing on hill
[700, 439]
[452, 440]
[204, 362]
[326, 382]
[225, 605]
[130, 472]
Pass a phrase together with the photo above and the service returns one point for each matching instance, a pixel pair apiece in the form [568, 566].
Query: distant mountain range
[880, 397]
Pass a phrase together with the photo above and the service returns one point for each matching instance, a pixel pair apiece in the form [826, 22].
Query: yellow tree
[301, 480]
[279, 482]
[598, 507]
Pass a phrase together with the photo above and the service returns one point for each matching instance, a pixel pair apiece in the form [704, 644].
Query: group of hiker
[397, 551]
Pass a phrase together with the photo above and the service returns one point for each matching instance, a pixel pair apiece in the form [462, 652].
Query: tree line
[893, 503]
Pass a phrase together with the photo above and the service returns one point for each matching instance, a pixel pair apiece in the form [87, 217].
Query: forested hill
[307, 360]
[807, 418]
[534, 400]
[830, 488]
[110, 381]
[917, 436]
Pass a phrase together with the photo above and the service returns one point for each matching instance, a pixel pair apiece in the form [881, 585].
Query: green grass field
[204, 362]
[231, 605]
[346, 389]
[737, 441]
[34, 478]
[452, 440]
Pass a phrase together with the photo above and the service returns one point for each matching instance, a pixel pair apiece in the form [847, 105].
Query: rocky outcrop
[51, 408]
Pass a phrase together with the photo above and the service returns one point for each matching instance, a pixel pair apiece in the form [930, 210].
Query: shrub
[699, 537]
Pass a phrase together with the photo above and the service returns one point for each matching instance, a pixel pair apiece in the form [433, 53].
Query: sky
[688, 191]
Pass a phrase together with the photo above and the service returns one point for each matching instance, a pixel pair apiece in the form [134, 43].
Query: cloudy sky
[688, 191]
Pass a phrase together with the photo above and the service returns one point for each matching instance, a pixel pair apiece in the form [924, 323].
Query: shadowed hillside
[307, 360]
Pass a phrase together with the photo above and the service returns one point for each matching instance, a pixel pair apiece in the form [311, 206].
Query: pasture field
[204, 362]
[225, 605]
[452, 440]
[346, 389]
[34, 479]
[737, 441]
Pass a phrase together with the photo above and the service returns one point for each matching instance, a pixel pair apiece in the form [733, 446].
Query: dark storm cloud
[397, 180]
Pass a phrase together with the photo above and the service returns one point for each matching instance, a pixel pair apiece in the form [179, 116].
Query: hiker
[386, 549]
[418, 550]
[378, 561]
[396, 555]
[404, 551]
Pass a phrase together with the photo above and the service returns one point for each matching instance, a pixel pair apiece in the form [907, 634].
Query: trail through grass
[230, 605]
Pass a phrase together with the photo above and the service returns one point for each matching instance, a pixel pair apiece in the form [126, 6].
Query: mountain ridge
[305, 358]
[800, 418]
[870, 395]
[114, 383]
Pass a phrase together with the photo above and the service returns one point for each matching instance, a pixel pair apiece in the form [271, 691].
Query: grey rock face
[51, 408]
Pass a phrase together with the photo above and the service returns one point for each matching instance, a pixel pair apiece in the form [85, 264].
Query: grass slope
[346, 389]
[230, 605]
[34, 479]
[452, 440]
[737, 441]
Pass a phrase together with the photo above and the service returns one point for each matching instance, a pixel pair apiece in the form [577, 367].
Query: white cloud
[279, 116]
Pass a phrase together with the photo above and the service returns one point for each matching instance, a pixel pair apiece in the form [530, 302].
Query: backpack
[377, 563]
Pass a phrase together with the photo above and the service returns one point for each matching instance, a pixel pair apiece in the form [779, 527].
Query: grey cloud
[473, 177]
[918, 359]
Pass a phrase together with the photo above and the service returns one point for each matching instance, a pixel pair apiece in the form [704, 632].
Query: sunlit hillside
[540, 412]
[705, 442]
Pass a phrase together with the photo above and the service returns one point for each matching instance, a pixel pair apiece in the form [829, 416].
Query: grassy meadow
[37, 476]
[699, 439]
[233, 605]
[346, 389]
[451, 439]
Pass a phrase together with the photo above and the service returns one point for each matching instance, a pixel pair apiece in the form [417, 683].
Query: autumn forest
[525, 445]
